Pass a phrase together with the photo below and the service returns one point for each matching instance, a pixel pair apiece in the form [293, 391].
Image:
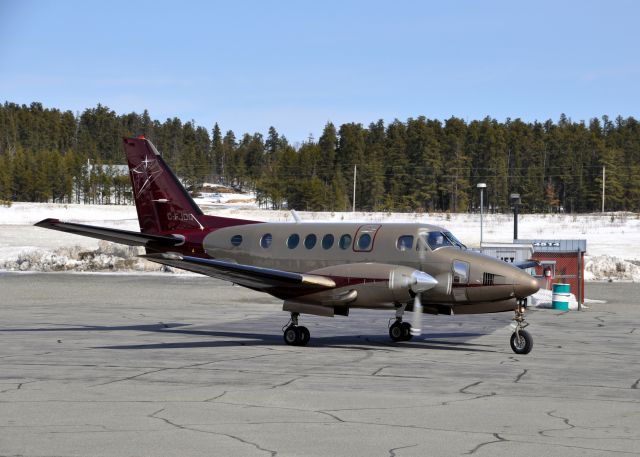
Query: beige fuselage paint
[371, 266]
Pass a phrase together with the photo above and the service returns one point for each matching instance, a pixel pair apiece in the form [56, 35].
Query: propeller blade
[416, 323]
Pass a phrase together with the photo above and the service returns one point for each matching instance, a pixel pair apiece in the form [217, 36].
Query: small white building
[509, 252]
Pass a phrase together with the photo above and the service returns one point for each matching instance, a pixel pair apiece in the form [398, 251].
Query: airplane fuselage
[464, 277]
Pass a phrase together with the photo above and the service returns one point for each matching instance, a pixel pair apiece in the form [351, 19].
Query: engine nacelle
[376, 284]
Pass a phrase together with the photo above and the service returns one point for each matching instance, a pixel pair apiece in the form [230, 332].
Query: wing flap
[246, 275]
[110, 234]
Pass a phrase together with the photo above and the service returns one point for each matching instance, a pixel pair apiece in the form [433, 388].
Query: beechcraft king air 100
[317, 268]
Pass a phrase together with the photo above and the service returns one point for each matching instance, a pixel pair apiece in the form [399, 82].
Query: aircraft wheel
[304, 335]
[406, 331]
[396, 332]
[521, 342]
[291, 335]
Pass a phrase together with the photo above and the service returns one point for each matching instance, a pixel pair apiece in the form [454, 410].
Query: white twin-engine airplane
[317, 268]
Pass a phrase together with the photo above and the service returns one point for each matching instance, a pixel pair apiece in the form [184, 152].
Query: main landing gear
[400, 331]
[294, 334]
[521, 340]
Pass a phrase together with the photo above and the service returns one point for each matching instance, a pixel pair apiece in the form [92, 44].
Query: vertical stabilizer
[163, 204]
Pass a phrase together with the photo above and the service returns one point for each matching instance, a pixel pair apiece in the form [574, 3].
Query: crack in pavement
[18, 387]
[392, 452]
[564, 419]
[286, 383]
[217, 396]
[519, 377]
[379, 370]
[128, 378]
[464, 391]
[154, 415]
[498, 439]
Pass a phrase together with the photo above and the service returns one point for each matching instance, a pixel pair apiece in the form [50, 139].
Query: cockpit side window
[437, 239]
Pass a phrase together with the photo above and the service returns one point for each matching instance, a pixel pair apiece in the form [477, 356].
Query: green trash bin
[560, 297]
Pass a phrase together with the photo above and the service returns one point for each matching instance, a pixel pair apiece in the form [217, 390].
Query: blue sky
[296, 65]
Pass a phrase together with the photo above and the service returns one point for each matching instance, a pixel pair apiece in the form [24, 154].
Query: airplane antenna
[295, 216]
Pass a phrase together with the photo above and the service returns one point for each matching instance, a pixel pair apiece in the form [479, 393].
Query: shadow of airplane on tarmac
[244, 338]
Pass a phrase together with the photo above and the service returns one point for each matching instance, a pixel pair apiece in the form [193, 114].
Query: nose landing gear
[294, 334]
[521, 340]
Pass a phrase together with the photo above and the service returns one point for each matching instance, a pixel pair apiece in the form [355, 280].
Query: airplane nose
[524, 285]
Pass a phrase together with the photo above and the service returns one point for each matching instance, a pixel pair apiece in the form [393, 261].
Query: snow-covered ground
[613, 239]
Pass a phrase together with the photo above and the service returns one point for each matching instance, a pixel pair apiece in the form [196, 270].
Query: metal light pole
[515, 201]
[481, 186]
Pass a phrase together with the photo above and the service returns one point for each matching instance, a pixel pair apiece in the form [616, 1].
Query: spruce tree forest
[417, 165]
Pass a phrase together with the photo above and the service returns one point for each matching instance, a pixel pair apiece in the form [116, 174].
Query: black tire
[291, 335]
[406, 331]
[395, 331]
[522, 345]
[305, 336]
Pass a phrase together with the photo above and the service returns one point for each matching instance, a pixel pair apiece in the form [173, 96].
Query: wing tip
[47, 222]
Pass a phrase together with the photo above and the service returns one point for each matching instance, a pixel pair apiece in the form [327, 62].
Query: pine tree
[216, 151]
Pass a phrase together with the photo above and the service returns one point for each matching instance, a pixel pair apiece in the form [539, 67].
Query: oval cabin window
[293, 241]
[345, 241]
[236, 240]
[327, 241]
[364, 242]
[266, 239]
[310, 241]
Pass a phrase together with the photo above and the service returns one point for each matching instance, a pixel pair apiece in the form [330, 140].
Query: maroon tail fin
[163, 204]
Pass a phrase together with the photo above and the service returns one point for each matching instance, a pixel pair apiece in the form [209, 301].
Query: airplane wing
[110, 234]
[277, 282]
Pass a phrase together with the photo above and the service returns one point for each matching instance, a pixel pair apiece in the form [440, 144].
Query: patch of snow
[609, 267]
[544, 298]
[107, 257]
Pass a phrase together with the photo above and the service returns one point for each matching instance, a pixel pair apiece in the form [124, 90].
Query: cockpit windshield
[437, 239]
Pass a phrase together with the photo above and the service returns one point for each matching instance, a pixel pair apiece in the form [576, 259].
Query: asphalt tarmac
[168, 365]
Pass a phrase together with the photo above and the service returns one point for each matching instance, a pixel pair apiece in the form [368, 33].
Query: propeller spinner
[421, 282]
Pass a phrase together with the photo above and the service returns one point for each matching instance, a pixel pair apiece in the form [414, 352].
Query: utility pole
[603, 185]
[481, 186]
[355, 172]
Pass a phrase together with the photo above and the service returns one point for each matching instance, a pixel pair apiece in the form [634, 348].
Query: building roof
[556, 245]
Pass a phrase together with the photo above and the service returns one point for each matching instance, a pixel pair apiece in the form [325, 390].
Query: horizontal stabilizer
[265, 279]
[110, 234]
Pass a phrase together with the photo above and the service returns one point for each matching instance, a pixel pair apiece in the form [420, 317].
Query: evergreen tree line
[417, 165]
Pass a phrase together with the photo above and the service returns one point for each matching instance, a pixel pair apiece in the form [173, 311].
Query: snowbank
[608, 267]
[543, 299]
[108, 257]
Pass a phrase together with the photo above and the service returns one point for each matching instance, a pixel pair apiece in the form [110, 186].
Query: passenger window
[265, 241]
[364, 241]
[236, 240]
[327, 241]
[293, 241]
[310, 241]
[405, 243]
[345, 241]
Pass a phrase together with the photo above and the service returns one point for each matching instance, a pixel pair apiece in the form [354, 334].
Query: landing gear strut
[294, 334]
[521, 340]
[400, 331]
